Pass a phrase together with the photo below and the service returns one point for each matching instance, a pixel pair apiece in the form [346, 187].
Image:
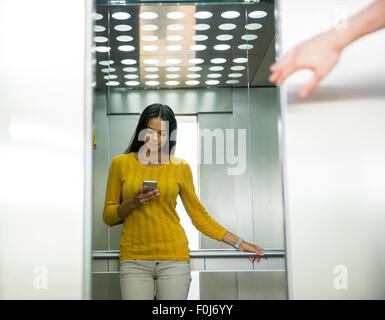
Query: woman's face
[156, 134]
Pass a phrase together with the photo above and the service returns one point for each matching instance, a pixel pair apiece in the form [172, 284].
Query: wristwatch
[236, 246]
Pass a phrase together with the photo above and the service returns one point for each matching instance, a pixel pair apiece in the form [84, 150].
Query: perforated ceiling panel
[182, 46]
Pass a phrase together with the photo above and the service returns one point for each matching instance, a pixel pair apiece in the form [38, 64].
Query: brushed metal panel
[121, 129]
[220, 288]
[214, 178]
[335, 155]
[100, 171]
[181, 101]
[106, 287]
[268, 208]
[45, 144]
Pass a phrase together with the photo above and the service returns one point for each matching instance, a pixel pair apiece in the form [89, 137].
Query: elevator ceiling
[184, 46]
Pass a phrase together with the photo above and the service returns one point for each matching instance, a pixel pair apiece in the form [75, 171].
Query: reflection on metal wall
[335, 161]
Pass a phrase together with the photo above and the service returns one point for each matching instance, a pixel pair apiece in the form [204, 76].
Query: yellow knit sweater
[153, 231]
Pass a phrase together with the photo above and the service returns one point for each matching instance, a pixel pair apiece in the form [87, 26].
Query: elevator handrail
[203, 253]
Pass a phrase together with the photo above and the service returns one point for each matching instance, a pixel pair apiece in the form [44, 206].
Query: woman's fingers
[309, 87]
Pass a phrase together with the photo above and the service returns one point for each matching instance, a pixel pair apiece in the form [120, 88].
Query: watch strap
[236, 246]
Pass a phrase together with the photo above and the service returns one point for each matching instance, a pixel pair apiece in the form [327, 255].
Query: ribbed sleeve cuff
[112, 217]
[221, 234]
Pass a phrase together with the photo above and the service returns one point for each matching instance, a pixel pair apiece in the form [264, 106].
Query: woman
[153, 243]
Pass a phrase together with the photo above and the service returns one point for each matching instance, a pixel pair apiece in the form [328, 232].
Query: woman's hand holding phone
[141, 198]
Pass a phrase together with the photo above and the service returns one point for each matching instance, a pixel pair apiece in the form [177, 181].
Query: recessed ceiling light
[175, 15]
[121, 15]
[150, 48]
[245, 46]
[172, 69]
[193, 75]
[124, 38]
[112, 83]
[240, 60]
[216, 68]
[222, 47]
[132, 83]
[214, 75]
[192, 82]
[227, 26]
[110, 77]
[212, 82]
[196, 61]
[128, 61]
[148, 15]
[257, 14]
[102, 49]
[152, 76]
[130, 69]
[224, 37]
[238, 68]
[151, 69]
[97, 16]
[175, 27]
[98, 28]
[232, 81]
[249, 37]
[173, 61]
[172, 83]
[235, 75]
[230, 14]
[106, 62]
[172, 76]
[203, 14]
[218, 60]
[122, 27]
[253, 26]
[108, 70]
[126, 48]
[174, 38]
[200, 37]
[149, 27]
[149, 38]
[194, 69]
[173, 47]
[152, 83]
[198, 47]
[201, 27]
[100, 39]
[131, 76]
[151, 61]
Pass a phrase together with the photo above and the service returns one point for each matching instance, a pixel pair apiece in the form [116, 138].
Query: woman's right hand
[141, 198]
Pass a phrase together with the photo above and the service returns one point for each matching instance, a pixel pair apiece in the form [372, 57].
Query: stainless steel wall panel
[335, 163]
[100, 238]
[181, 101]
[45, 147]
[120, 130]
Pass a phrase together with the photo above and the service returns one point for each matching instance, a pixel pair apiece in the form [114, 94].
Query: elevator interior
[208, 61]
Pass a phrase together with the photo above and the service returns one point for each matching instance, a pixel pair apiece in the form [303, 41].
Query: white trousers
[163, 279]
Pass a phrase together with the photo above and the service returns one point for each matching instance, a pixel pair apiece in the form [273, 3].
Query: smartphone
[151, 185]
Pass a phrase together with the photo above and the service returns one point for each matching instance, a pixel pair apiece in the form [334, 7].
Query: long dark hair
[154, 111]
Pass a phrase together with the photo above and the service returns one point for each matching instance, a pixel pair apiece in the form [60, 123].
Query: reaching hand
[320, 54]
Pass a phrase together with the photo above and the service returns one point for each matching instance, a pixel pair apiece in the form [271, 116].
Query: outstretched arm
[322, 52]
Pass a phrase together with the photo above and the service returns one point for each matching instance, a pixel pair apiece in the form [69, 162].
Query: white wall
[45, 148]
[335, 163]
